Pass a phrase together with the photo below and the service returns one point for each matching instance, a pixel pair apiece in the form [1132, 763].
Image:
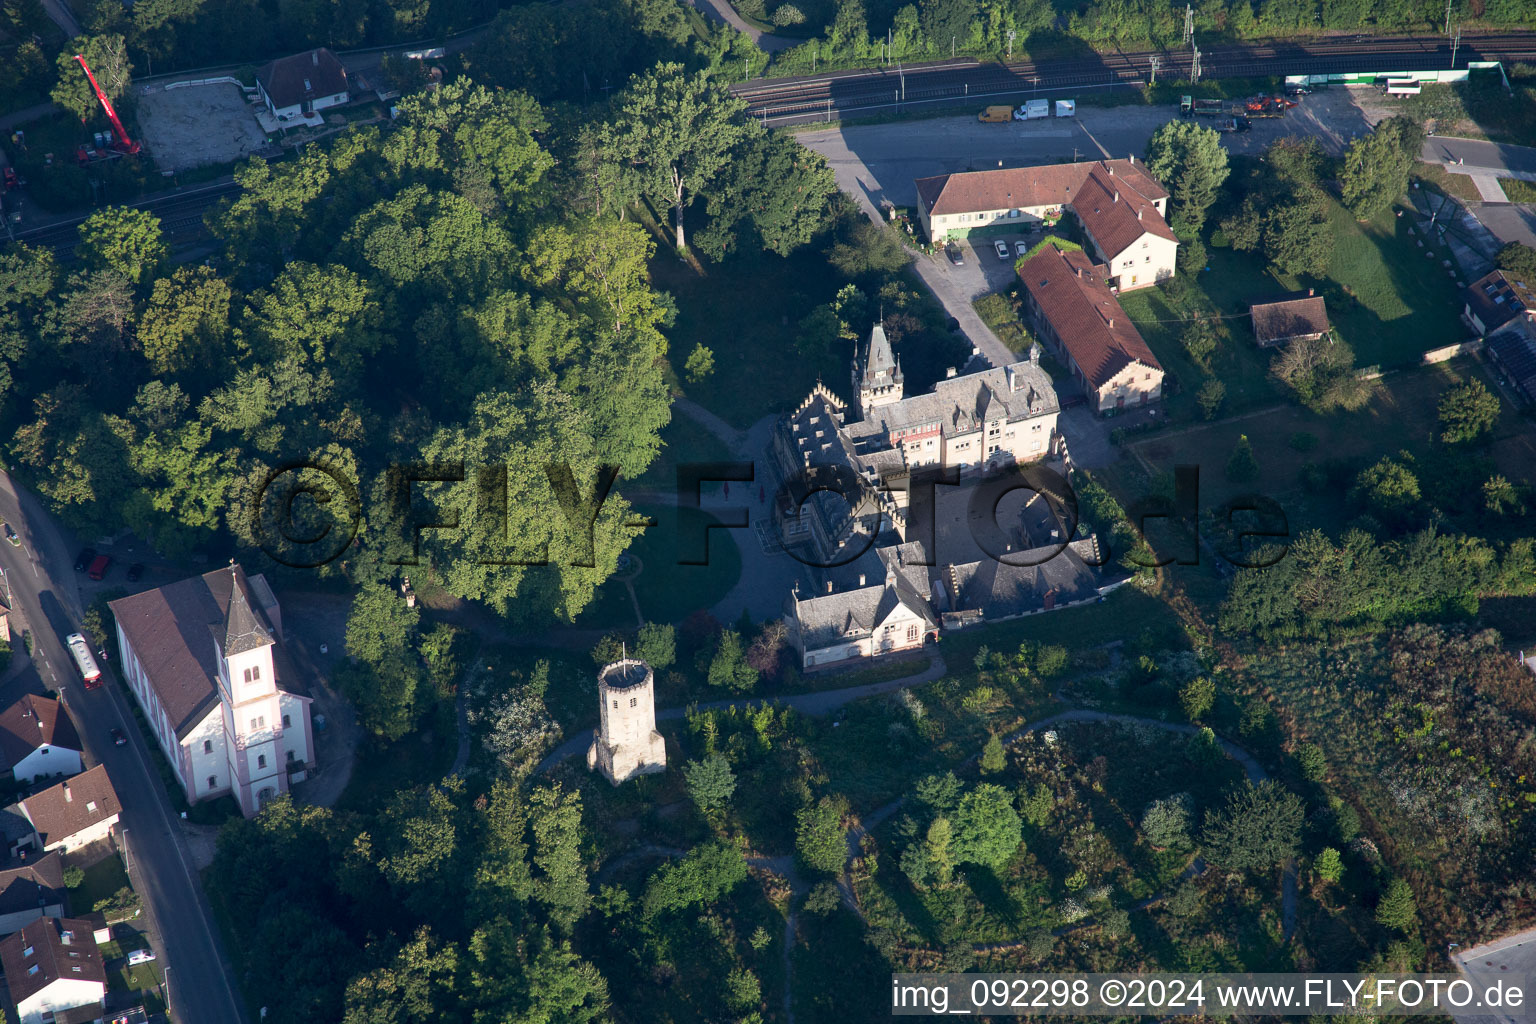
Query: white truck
[1033, 109]
[1066, 108]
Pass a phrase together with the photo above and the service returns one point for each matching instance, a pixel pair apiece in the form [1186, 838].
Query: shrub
[74, 877]
[1311, 762]
[1051, 661]
[1210, 396]
[1242, 467]
[1303, 442]
[819, 838]
[1197, 696]
[993, 759]
[1397, 909]
[1166, 822]
[1329, 866]
[788, 14]
[1259, 827]
[822, 900]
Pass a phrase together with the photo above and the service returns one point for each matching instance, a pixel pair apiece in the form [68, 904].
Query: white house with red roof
[204, 659]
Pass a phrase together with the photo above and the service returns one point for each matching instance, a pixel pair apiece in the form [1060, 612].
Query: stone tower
[627, 743]
[877, 377]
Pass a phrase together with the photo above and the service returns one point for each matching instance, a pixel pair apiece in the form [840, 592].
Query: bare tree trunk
[677, 208]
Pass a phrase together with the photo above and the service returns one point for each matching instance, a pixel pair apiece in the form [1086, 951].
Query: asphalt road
[43, 589]
[1511, 161]
[1511, 960]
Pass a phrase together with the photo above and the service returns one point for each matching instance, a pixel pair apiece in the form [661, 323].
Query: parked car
[1002, 249]
[84, 559]
[10, 535]
[1021, 248]
[119, 737]
[135, 572]
[99, 567]
[955, 255]
[140, 956]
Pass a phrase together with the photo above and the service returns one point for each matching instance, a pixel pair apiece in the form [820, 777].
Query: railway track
[814, 97]
[180, 216]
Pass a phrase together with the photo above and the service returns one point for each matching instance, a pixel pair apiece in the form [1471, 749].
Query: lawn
[683, 441]
[667, 590]
[1400, 416]
[747, 311]
[102, 879]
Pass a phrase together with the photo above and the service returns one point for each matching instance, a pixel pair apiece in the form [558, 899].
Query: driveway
[44, 592]
[1510, 959]
[1509, 222]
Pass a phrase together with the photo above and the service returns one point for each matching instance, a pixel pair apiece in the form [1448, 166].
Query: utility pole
[813, 56]
[1447, 17]
[1194, 71]
[951, 47]
[1189, 25]
[1156, 63]
[887, 47]
[1011, 34]
[1455, 43]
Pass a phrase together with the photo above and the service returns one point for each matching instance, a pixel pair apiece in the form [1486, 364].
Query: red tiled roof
[32, 722]
[1072, 294]
[61, 948]
[1010, 188]
[1116, 211]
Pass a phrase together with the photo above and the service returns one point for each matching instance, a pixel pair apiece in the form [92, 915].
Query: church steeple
[243, 628]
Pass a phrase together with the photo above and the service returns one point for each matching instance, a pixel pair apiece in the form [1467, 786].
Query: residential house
[296, 86]
[1120, 207]
[5, 620]
[1068, 297]
[881, 616]
[1495, 299]
[1280, 323]
[30, 890]
[75, 813]
[204, 660]
[1512, 348]
[55, 972]
[38, 740]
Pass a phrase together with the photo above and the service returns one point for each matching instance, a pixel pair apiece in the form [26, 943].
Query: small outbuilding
[1299, 319]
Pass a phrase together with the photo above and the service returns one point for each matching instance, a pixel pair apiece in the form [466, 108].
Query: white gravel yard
[195, 126]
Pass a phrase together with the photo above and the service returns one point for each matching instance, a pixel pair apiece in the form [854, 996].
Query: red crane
[120, 140]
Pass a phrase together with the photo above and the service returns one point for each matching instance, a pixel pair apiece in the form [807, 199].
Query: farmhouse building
[1120, 207]
[293, 87]
[1280, 323]
[204, 660]
[1068, 298]
[38, 740]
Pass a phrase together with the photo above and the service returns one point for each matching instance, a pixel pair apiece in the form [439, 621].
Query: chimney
[1034, 354]
[1008, 376]
[1111, 321]
[1079, 271]
[1133, 159]
[861, 579]
[314, 57]
[1139, 212]
[950, 372]
[829, 586]
[1111, 169]
[69, 797]
[1310, 293]
[1117, 195]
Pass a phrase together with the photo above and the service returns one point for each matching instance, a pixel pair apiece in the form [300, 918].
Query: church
[204, 660]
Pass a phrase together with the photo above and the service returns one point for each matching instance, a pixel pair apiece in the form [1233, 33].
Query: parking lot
[990, 271]
[880, 161]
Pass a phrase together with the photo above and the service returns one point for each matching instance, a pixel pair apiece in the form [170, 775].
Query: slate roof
[33, 722]
[72, 806]
[1276, 322]
[960, 405]
[288, 81]
[880, 365]
[35, 885]
[1072, 293]
[61, 948]
[1497, 298]
[996, 589]
[849, 615]
[1117, 209]
[1017, 187]
[176, 630]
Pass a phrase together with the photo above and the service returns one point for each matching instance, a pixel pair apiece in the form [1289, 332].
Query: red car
[99, 567]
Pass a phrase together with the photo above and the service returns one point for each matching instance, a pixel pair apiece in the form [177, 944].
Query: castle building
[203, 659]
[626, 743]
[877, 378]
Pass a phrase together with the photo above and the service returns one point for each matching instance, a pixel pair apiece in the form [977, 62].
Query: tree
[1297, 237]
[656, 646]
[1210, 396]
[729, 668]
[186, 320]
[1328, 865]
[678, 131]
[1312, 762]
[1242, 467]
[387, 694]
[380, 623]
[417, 987]
[710, 781]
[704, 875]
[1501, 497]
[993, 759]
[1397, 909]
[1199, 338]
[1467, 411]
[783, 191]
[819, 838]
[987, 828]
[1517, 259]
[1191, 160]
[120, 906]
[700, 364]
[108, 57]
[1389, 489]
[947, 24]
[321, 316]
[868, 250]
[1259, 827]
[123, 240]
[1167, 822]
[1375, 173]
[560, 872]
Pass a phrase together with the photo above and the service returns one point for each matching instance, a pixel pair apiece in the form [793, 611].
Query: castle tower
[877, 377]
[626, 743]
